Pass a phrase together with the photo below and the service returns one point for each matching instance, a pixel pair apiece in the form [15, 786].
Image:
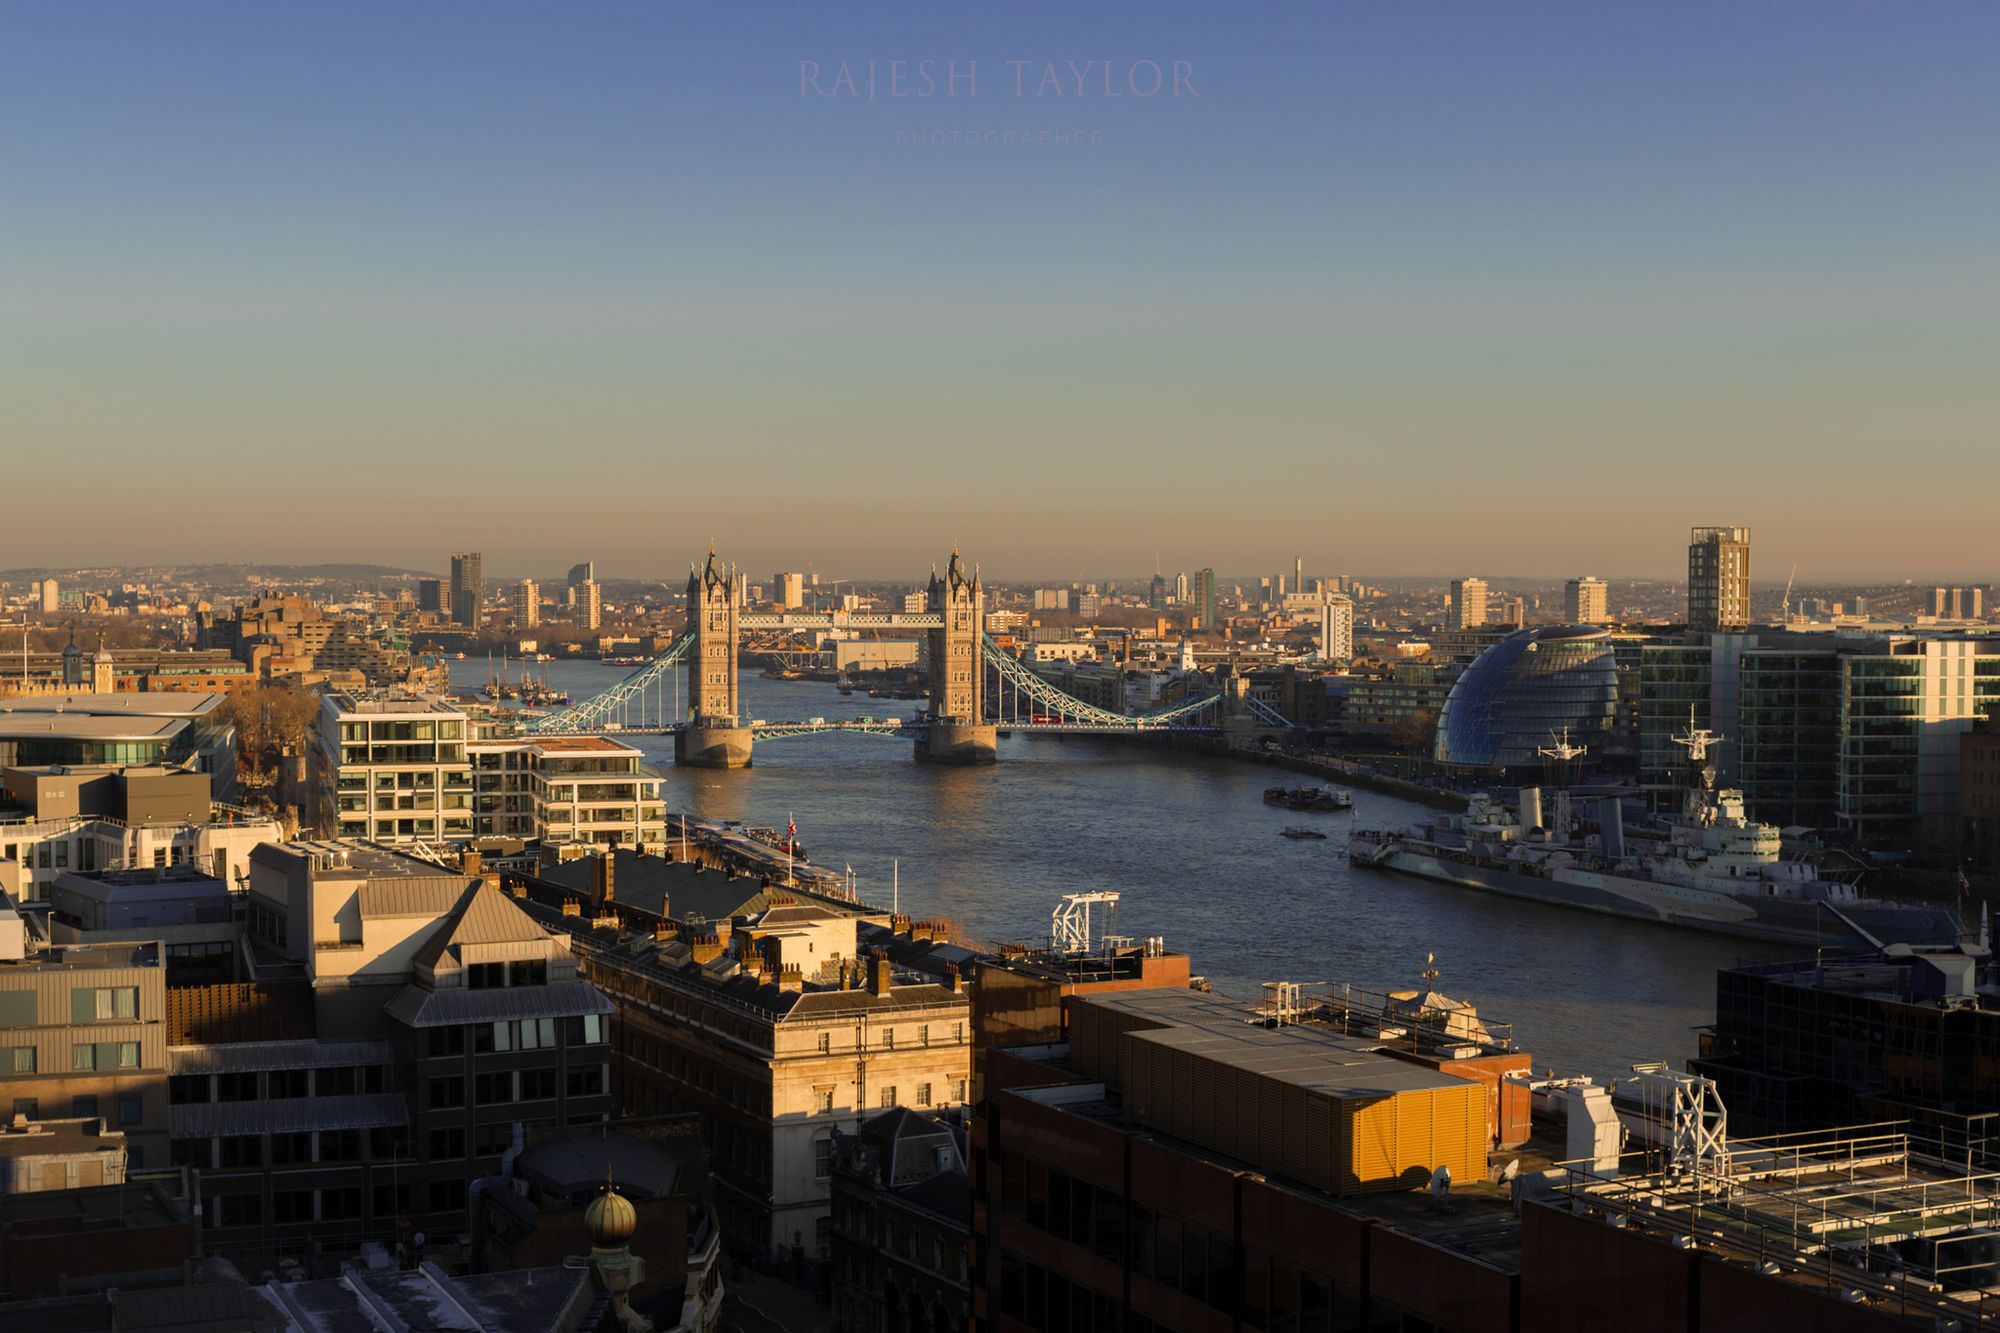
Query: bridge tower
[713, 734]
[957, 731]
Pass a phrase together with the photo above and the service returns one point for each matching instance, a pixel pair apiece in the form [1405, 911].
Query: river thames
[1189, 843]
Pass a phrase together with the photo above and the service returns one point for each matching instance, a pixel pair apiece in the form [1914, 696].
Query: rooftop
[24, 725]
[426, 1299]
[350, 858]
[393, 705]
[82, 956]
[51, 1138]
[163, 703]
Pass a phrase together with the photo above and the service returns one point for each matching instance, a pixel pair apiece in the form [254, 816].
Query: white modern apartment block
[1336, 628]
[393, 769]
[566, 789]
[1587, 601]
[1468, 604]
[527, 604]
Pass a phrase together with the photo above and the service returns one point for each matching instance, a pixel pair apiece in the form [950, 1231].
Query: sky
[1404, 288]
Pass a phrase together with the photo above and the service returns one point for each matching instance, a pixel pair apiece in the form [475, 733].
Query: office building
[61, 818]
[49, 596]
[766, 1017]
[580, 574]
[1468, 604]
[902, 1225]
[1904, 704]
[1052, 599]
[1587, 601]
[789, 590]
[1205, 598]
[1181, 589]
[527, 604]
[390, 768]
[1336, 628]
[83, 1033]
[434, 596]
[589, 611]
[411, 1025]
[1718, 578]
[468, 588]
[1979, 794]
[1156, 593]
[1532, 686]
[1799, 1045]
[590, 790]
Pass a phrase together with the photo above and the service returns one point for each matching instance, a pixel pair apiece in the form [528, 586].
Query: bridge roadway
[915, 727]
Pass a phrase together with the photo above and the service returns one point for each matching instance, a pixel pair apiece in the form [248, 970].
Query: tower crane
[1787, 614]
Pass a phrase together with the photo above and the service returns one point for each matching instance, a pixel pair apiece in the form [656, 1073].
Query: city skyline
[1461, 287]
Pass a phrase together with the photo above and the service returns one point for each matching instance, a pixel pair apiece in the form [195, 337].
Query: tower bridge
[976, 688]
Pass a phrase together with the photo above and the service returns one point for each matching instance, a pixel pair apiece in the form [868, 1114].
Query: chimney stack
[468, 861]
[878, 975]
[602, 877]
[791, 979]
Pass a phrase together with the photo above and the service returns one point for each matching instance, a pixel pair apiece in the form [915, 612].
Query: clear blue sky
[1407, 286]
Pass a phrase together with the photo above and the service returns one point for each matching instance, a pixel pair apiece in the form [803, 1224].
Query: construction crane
[1786, 617]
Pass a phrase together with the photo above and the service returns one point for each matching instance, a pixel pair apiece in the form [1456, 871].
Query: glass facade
[1526, 690]
[1673, 679]
[1790, 725]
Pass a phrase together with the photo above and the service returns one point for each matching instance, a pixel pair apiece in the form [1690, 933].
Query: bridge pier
[959, 743]
[703, 746]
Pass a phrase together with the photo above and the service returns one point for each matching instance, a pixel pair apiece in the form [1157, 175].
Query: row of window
[129, 1109]
[889, 1038]
[252, 1085]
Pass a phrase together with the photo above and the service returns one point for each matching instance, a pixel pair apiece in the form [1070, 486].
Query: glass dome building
[1519, 695]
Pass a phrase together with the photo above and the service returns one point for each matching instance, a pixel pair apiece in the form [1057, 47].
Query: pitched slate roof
[483, 915]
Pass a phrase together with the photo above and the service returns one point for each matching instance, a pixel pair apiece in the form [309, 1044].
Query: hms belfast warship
[1717, 870]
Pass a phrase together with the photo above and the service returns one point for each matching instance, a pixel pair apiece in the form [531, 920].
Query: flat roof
[90, 726]
[161, 703]
[371, 705]
[125, 954]
[48, 1138]
[353, 857]
[555, 745]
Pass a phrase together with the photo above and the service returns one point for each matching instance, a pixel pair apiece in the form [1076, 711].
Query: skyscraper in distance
[527, 604]
[1718, 578]
[581, 574]
[1205, 597]
[1336, 628]
[468, 587]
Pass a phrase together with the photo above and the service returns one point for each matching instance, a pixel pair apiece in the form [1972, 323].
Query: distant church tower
[103, 671]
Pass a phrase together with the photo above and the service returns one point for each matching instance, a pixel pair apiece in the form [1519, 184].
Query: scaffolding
[1856, 1212]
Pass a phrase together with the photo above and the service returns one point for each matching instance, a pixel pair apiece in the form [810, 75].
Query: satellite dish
[1441, 1182]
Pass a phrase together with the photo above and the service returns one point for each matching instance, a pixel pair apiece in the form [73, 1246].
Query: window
[445, 1195]
[388, 1145]
[586, 1082]
[823, 1100]
[888, 1094]
[958, 1090]
[537, 1085]
[17, 1009]
[888, 1039]
[83, 1056]
[240, 1151]
[585, 1031]
[447, 1144]
[83, 1107]
[823, 1156]
[496, 1089]
[291, 1206]
[236, 1210]
[492, 1140]
[924, 1034]
[334, 1083]
[447, 1041]
[825, 1043]
[340, 1145]
[291, 1149]
[128, 1055]
[446, 1092]
[104, 1003]
[236, 1087]
[17, 1060]
[30, 1107]
[340, 1203]
[923, 1094]
[287, 1083]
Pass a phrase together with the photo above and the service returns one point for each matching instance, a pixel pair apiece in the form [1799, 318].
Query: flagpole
[791, 832]
[895, 888]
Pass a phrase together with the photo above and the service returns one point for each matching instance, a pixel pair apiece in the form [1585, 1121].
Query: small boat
[1302, 834]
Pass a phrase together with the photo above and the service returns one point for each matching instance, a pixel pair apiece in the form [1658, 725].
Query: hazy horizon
[1450, 287]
